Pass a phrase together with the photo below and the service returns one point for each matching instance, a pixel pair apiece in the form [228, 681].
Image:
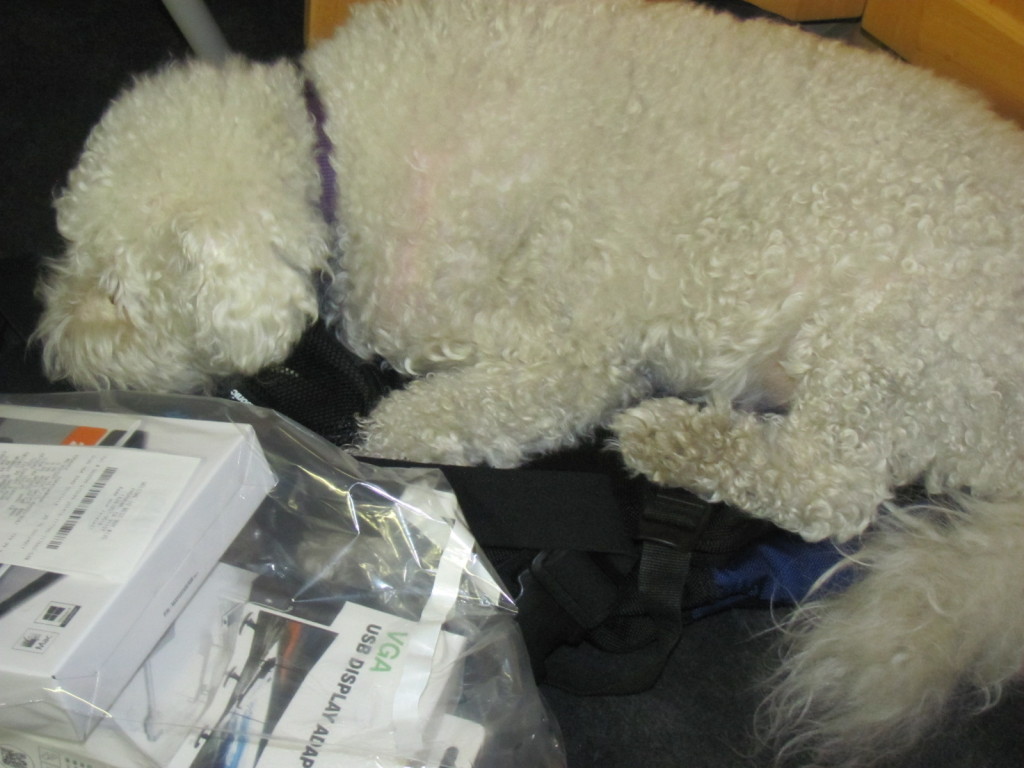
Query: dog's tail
[934, 622]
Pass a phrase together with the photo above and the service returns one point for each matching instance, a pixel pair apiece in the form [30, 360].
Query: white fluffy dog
[785, 273]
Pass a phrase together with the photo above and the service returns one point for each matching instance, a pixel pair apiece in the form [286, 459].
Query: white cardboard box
[69, 646]
[237, 682]
[154, 712]
[168, 713]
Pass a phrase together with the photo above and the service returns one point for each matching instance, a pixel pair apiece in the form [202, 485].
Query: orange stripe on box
[84, 436]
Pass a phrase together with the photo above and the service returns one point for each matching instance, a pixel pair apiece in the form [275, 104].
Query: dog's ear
[253, 293]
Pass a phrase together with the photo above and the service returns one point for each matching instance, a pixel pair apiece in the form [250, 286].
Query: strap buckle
[674, 518]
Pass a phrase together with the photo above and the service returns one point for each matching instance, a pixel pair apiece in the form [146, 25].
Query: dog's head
[193, 233]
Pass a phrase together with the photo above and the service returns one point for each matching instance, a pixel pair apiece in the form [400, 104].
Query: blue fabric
[779, 570]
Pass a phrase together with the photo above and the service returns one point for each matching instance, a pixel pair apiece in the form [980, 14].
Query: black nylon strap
[627, 653]
[537, 509]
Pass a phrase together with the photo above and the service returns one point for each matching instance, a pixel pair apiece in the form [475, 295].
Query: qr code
[14, 758]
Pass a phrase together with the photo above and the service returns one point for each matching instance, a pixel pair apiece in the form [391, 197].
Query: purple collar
[322, 153]
[326, 298]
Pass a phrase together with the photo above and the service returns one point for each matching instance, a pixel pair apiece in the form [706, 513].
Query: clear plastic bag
[353, 622]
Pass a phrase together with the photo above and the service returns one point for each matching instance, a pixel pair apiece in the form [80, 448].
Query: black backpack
[606, 568]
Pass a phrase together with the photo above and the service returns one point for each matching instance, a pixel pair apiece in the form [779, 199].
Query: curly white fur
[927, 627]
[186, 259]
[578, 213]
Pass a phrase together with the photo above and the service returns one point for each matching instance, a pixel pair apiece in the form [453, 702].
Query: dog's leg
[498, 413]
[819, 470]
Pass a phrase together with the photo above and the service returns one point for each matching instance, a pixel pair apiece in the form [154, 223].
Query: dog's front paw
[415, 424]
[415, 444]
[670, 441]
[760, 463]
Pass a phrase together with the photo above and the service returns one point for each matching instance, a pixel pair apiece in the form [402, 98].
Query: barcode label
[80, 510]
[14, 758]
